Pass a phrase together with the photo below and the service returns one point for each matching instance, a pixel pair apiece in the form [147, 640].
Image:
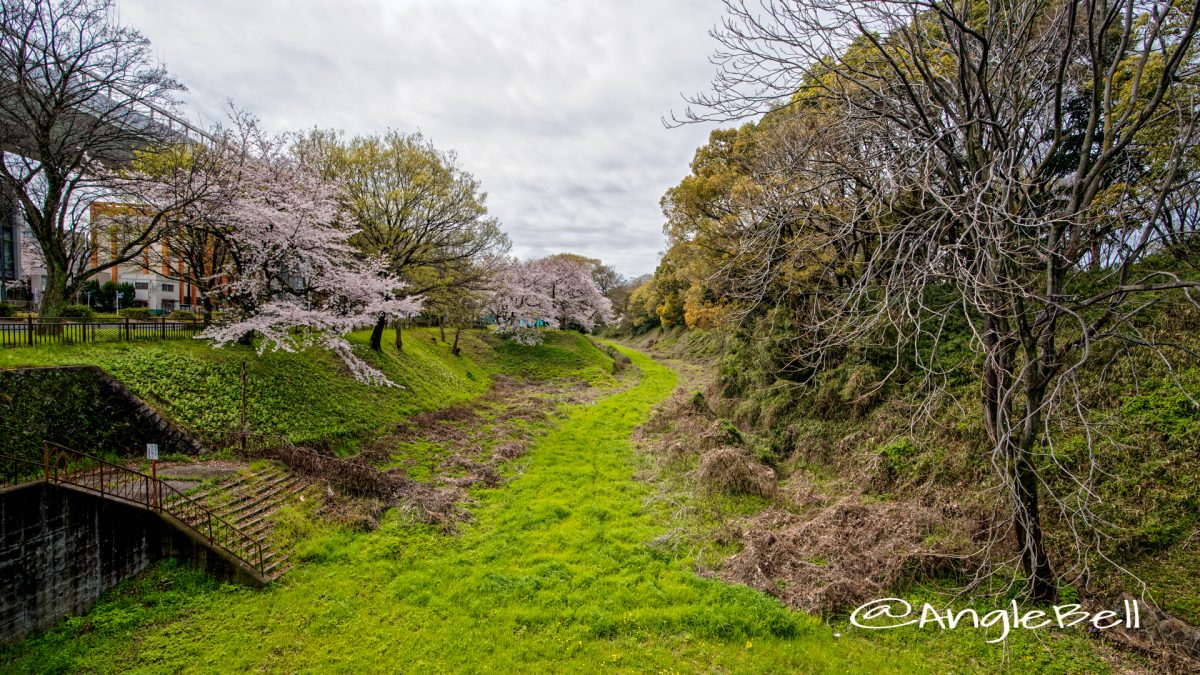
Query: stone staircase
[247, 501]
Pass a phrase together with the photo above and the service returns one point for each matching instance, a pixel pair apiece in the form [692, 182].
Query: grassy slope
[554, 574]
[310, 396]
[1149, 484]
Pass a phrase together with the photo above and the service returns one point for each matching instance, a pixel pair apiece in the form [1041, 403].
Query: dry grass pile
[367, 491]
[733, 471]
[455, 413]
[844, 549]
[682, 428]
[477, 473]
[839, 555]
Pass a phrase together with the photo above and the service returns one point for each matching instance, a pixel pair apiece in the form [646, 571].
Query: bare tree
[195, 242]
[79, 95]
[1029, 156]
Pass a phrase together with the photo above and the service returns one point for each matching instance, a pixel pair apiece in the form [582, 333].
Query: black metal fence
[31, 331]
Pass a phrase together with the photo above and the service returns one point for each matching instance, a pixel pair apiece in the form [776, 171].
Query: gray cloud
[554, 105]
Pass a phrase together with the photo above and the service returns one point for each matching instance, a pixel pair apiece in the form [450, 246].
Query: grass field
[556, 573]
[310, 396]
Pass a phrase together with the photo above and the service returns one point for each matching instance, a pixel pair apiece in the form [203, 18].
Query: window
[141, 285]
[8, 256]
[168, 288]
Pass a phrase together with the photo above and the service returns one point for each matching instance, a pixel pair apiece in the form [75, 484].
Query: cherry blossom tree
[520, 300]
[575, 295]
[298, 280]
[291, 276]
[557, 291]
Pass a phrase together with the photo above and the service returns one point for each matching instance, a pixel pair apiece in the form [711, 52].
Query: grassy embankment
[555, 573]
[309, 396]
[844, 436]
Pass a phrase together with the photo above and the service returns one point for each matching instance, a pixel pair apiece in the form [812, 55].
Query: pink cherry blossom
[557, 291]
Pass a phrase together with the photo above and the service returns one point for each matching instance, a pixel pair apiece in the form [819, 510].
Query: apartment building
[159, 276]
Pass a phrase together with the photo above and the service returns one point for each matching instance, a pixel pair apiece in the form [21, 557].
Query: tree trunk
[994, 371]
[442, 326]
[1027, 525]
[207, 305]
[1016, 445]
[247, 339]
[399, 335]
[54, 298]
[457, 332]
[1028, 521]
[377, 333]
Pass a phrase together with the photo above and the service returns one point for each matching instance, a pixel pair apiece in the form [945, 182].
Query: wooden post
[163, 332]
[30, 325]
[244, 430]
[154, 483]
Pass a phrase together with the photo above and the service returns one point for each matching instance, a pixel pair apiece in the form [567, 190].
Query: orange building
[162, 280]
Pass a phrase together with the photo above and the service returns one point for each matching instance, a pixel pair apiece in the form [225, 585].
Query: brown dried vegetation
[817, 547]
[734, 471]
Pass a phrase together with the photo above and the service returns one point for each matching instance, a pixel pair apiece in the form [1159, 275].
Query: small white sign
[152, 451]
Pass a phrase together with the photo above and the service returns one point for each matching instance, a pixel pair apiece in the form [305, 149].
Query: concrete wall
[60, 548]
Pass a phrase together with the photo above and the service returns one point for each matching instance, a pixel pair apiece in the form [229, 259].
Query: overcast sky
[554, 105]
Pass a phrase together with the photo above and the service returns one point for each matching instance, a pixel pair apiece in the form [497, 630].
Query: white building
[152, 288]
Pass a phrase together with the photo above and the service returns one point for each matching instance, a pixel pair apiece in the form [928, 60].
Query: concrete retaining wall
[83, 408]
[60, 548]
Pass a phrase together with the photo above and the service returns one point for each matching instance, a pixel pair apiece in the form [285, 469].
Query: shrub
[183, 315]
[7, 310]
[78, 312]
[139, 313]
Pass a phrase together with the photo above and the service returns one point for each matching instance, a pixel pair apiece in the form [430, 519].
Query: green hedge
[140, 313]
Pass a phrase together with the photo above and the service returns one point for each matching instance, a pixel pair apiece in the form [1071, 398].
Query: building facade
[159, 276]
[155, 273]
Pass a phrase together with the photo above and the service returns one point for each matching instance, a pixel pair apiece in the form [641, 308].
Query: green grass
[559, 355]
[310, 396]
[554, 574]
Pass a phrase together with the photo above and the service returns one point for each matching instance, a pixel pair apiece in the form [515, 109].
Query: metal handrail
[133, 486]
[11, 474]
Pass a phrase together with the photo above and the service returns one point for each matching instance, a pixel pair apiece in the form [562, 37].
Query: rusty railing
[17, 470]
[114, 481]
